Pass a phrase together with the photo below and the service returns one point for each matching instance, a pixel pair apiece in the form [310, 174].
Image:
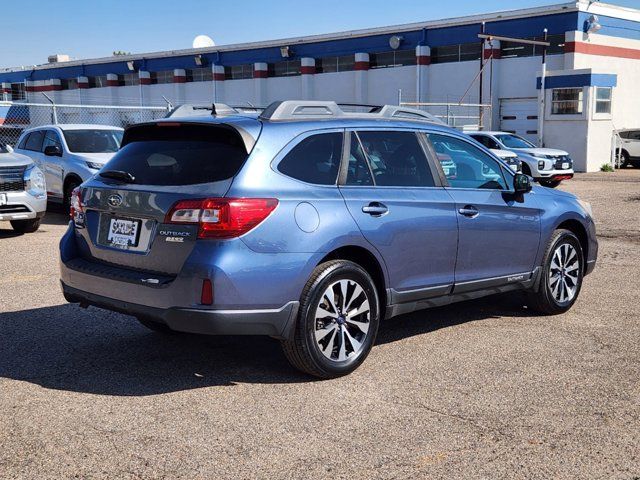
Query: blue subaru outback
[310, 223]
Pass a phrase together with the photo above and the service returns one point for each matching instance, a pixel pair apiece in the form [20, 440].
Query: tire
[348, 338]
[25, 226]
[624, 161]
[69, 187]
[550, 183]
[561, 276]
[156, 326]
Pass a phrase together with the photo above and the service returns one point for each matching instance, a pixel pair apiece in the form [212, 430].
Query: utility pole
[542, 94]
[482, 40]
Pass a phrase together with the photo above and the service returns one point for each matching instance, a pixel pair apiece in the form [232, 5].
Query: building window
[345, 63]
[566, 101]
[286, 68]
[69, 83]
[603, 99]
[128, 79]
[456, 53]
[199, 75]
[396, 58]
[162, 77]
[97, 81]
[238, 72]
[18, 91]
[515, 49]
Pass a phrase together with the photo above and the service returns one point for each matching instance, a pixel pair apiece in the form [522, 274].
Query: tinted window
[180, 155]
[486, 141]
[358, 172]
[93, 141]
[513, 141]
[34, 141]
[51, 138]
[396, 159]
[466, 166]
[316, 159]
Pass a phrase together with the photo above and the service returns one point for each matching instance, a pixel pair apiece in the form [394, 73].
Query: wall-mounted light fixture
[395, 42]
[199, 60]
[285, 52]
[130, 66]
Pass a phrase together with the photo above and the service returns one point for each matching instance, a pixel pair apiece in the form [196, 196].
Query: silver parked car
[69, 154]
[23, 192]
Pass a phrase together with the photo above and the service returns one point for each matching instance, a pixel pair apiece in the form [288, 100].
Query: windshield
[93, 141]
[514, 141]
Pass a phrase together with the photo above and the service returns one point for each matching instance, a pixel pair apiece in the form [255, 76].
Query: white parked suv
[629, 148]
[546, 165]
[23, 192]
[69, 154]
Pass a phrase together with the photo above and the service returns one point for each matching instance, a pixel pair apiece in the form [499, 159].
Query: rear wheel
[337, 321]
[25, 226]
[156, 326]
[561, 277]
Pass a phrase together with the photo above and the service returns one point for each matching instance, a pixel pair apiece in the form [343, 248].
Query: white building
[590, 85]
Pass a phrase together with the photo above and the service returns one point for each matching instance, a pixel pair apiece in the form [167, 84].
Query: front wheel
[337, 321]
[562, 274]
[25, 226]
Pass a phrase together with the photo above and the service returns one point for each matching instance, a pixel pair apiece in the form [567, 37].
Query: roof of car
[76, 126]
[487, 132]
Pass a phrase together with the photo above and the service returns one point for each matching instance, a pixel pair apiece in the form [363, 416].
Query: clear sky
[95, 28]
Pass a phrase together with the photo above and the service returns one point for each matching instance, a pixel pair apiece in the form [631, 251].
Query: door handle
[469, 211]
[375, 209]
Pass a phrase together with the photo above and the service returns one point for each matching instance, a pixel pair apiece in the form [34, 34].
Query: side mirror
[521, 183]
[52, 151]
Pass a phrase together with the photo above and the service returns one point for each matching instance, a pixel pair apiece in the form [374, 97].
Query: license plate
[3, 199]
[565, 165]
[123, 233]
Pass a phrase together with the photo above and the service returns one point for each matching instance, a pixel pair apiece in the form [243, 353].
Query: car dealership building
[589, 88]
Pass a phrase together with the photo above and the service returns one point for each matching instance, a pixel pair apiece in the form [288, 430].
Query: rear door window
[34, 141]
[183, 154]
[396, 159]
[316, 159]
[51, 138]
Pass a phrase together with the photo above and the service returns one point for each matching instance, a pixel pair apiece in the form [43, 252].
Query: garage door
[520, 116]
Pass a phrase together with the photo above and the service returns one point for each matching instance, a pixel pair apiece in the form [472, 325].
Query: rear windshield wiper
[118, 175]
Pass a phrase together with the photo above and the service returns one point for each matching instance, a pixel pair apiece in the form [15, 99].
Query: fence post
[448, 114]
[53, 108]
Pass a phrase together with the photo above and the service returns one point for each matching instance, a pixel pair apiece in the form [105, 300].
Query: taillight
[76, 212]
[222, 217]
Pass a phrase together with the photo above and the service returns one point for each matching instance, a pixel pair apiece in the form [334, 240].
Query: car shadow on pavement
[68, 348]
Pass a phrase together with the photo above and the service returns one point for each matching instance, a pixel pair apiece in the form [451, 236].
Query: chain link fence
[463, 116]
[16, 116]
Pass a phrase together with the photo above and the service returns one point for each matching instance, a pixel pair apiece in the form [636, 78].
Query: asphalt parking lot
[476, 390]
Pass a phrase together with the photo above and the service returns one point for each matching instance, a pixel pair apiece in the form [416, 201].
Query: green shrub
[606, 167]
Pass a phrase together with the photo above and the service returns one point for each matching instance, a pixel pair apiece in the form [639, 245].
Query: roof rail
[314, 110]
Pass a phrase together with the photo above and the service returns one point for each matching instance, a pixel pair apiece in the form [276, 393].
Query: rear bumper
[273, 322]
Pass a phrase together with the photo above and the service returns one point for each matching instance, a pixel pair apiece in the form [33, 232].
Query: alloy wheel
[342, 320]
[564, 273]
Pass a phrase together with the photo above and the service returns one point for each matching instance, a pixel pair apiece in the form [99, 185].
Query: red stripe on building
[179, 79]
[361, 66]
[488, 52]
[145, 81]
[110, 83]
[219, 77]
[83, 85]
[423, 60]
[307, 70]
[260, 74]
[602, 50]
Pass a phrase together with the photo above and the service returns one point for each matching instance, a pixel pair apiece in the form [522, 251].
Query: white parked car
[511, 158]
[69, 154]
[546, 165]
[629, 148]
[23, 192]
